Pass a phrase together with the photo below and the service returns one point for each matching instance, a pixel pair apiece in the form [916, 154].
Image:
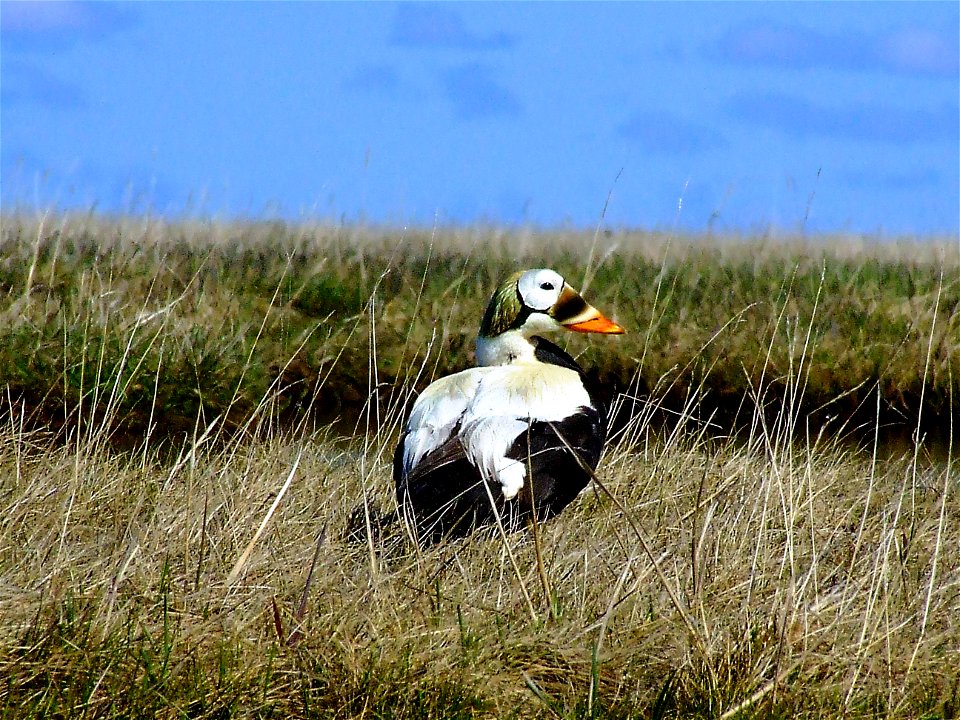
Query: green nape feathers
[505, 310]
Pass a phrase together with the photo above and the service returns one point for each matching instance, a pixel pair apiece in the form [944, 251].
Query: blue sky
[832, 117]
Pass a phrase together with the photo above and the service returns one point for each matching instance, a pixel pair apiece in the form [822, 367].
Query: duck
[514, 438]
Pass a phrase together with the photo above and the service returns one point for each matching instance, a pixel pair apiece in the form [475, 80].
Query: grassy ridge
[187, 321]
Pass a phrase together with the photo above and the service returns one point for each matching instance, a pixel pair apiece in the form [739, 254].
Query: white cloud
[28, 26]
[910, 51]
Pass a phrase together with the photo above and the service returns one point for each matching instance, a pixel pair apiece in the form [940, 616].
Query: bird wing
[436, 415]
[479, 413]
[448, 452]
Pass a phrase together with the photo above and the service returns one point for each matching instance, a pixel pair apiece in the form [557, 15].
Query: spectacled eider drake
[505, 430]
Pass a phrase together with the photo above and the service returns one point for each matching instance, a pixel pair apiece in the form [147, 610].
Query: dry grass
[781, 573]
[760, 578]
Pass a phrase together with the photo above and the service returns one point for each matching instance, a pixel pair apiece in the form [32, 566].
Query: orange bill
[596, 324]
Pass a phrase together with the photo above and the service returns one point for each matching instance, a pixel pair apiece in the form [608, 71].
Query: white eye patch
[540, 289]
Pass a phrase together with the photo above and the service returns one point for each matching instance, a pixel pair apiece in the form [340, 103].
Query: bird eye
[546, 286]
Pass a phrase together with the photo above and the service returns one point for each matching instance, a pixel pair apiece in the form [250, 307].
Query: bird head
[540, 300]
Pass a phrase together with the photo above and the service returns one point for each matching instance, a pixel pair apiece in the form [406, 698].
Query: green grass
[192, 414]
[193, 319]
